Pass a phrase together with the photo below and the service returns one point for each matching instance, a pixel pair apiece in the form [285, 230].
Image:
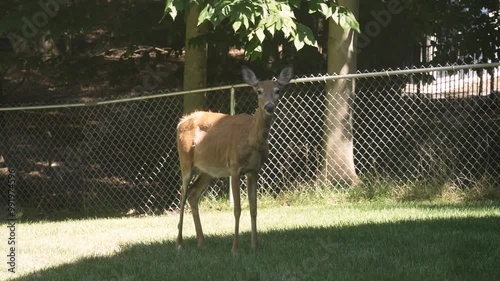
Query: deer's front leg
[235, 185]
[252, 198]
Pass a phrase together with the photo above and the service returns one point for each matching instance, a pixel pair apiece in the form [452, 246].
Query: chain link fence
[433, 126]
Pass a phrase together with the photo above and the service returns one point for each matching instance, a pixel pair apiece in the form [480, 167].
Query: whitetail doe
[219, 145]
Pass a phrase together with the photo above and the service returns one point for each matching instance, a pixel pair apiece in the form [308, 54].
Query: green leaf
[226, 10]
[249, 16]
[324, 9]
[173, 12]
[278, 24]
[206, 14]
[345, 19]
[253, 49]
[351, 21]
[313, 6]
[306, 35]
[260, 35]
[286, 31]
[256, 53]
[271, 29]
[286, 12]
[172, 9]
[237, 26]
[244, 19]
[166, 11]
[298, 43]
[288, 27]
[235, 13]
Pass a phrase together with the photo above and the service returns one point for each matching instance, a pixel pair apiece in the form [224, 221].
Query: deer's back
[213, 141]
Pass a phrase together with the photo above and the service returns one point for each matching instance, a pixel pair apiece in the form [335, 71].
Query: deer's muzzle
[269, 108]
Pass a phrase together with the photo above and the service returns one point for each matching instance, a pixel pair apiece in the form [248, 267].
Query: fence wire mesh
[433, 127]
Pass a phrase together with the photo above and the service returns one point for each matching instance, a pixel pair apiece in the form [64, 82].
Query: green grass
[364, 241]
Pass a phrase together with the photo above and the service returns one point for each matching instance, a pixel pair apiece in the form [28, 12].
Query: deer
[215, 145]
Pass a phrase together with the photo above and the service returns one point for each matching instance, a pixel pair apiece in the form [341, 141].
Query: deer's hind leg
[194, 195]
[186, 178]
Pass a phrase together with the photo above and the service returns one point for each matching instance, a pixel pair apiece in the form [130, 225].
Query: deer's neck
[259, 132]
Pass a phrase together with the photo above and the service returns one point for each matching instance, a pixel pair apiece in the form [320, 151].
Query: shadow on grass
[444, 249]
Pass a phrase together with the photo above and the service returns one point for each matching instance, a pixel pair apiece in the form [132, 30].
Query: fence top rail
[322, 78]
[396, 72]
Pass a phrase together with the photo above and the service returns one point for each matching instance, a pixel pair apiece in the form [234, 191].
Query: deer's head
[268, 91]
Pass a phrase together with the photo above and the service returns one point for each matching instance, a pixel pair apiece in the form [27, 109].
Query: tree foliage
[465, 31]
[285, 30]
[254, 21]
[458, 31]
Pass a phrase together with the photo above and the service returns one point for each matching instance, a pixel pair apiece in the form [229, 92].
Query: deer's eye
[277, 93]
[260, 91]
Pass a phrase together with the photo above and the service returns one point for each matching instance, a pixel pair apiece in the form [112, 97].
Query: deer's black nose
[269, 108]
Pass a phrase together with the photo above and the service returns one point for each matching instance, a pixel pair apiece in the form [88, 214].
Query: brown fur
[220, 145]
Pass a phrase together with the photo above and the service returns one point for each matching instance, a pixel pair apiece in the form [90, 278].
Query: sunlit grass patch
[371, 240]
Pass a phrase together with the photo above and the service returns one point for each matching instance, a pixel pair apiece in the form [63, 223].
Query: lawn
[364, 241]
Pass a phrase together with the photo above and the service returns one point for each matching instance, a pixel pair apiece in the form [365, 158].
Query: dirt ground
[46, 86]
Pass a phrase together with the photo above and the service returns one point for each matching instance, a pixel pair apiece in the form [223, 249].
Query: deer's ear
[249, 77]
[285, 75]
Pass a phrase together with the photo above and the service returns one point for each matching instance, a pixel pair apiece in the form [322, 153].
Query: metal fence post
[232, 112]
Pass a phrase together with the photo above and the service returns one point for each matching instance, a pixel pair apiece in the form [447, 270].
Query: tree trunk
[339, 157]
[195, 61]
